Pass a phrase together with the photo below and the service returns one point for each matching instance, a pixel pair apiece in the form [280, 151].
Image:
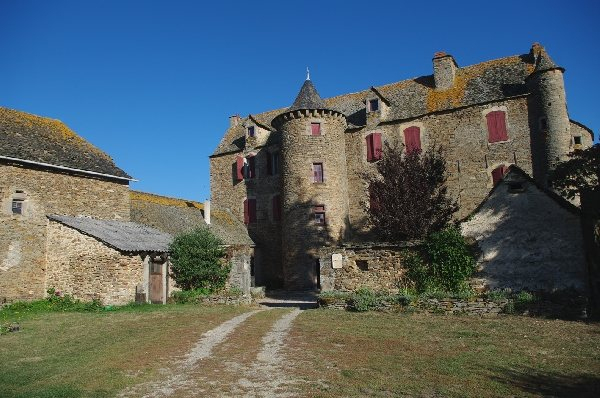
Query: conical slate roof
[308, 98]
[543, 62]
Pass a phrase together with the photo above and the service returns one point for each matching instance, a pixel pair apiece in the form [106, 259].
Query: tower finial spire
[307, 73]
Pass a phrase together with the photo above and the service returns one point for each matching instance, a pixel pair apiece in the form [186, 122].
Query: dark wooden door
[156, 283]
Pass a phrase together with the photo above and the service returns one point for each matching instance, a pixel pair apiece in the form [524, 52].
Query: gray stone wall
[463, 135]
[23, 237]
[87, 269]
[527, 241]
[300, 150]
[239, 258]
[370, 265]
[229, 193]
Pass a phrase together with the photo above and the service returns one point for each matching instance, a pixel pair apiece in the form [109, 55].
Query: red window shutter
[251, 210]
[251, 167]
[269, 163]
[246, 213]
[239, 168]
[498, 174]
[370, 148]
[412, 139]
[376, 146]
[276, 208]
[315, 128]
[496, 123]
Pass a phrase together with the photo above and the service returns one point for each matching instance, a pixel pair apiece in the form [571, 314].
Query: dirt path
[226, 361]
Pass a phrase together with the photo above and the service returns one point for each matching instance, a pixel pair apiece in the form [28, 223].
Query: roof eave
[65, 168]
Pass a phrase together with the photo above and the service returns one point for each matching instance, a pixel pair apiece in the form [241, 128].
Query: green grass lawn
[332, 353]
[73, 354]
[374, 354]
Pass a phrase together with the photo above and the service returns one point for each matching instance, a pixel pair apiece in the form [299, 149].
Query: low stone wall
[228, 300]
[378, 266]
[481, 307]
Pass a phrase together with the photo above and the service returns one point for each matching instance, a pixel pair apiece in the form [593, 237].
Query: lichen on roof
[164, 200]
[44, 140]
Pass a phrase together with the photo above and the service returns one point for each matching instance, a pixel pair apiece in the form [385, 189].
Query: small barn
[529, 238]
[108, 260]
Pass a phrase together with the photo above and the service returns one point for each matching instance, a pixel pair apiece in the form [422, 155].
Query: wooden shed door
[156, 283]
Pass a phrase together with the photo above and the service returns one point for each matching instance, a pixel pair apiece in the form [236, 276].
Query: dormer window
[373, 105]
[577, 140]
[251, 131]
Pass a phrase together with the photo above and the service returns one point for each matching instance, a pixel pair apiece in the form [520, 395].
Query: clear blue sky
[152, 83]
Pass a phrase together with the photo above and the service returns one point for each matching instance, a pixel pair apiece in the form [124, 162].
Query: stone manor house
[294, 174]
[288, 196]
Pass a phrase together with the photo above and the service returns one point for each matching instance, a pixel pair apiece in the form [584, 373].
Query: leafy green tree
[578, 174]
[197, 260]
[408, 195]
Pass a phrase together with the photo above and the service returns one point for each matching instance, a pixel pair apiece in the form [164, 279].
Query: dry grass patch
[98, 354]
[373, 354]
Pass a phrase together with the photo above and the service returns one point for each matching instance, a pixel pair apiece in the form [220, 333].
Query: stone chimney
[444, 70]
[234, 120]
[207, 211]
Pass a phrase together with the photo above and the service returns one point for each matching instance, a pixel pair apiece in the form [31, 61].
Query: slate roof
[121, 235]
[176, 216]
[308, 98]
[484, 82]
[39, 139]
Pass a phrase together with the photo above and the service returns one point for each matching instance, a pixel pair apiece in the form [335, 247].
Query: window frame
[370, 103]
[319, 216]
[251, 131]
[374, 146]
[316, 165]
[408, 131]
[250, 216]
[20, 207]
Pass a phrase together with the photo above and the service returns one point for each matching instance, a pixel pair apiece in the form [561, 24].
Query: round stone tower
[551, 136]
[314, 184]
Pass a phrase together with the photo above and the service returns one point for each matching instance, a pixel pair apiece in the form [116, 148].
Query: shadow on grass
[549, 384]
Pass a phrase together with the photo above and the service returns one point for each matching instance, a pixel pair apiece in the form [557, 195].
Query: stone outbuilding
[529, 238]
[111, 261]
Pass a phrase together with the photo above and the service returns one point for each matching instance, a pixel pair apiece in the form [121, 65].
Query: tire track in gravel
[177, 378]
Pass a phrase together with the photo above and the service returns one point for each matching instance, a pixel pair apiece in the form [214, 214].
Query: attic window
[515, 187]
[373, 105]
[577, 140]
[251, 131]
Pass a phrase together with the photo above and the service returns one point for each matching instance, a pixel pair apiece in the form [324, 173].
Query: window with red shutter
[317, 172]
[239, 168]
[276, 208]
[496, 123]
[412, 139]
[250, 167]
[498, 173]
[376, 146]
[249, 211]
[374, 149]
[315, 128]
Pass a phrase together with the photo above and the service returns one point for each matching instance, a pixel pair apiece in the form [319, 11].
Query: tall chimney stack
[207, 211]
[444, 70]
